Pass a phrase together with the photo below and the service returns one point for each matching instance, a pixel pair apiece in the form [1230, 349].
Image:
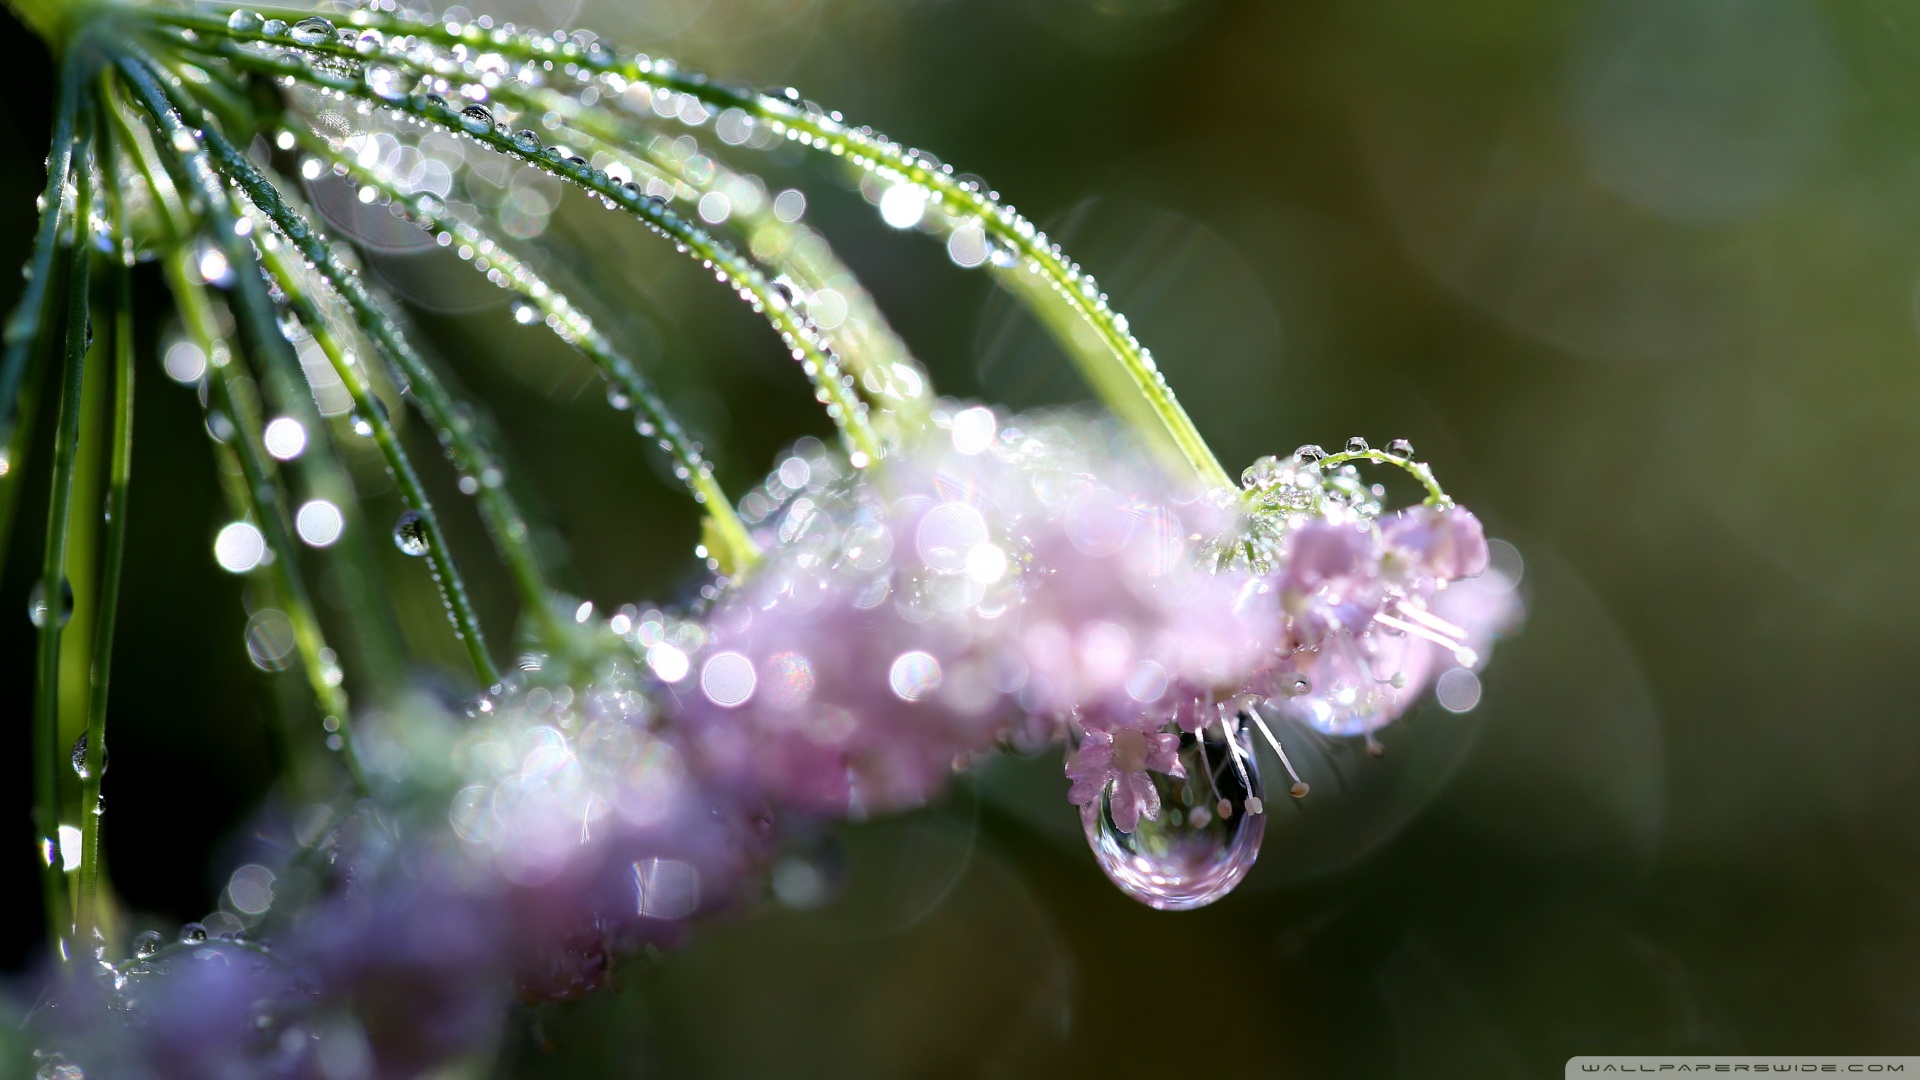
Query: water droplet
[79, 756]
[1400, 448]
[410, 534]
[311, 31]
[146, 943]
[527, 140]
[1310, 452]
[477, 119]
[1263, 473]
[618, 398]
[1188, 857]
[193, 933]
[243, 21]
[274, 27]
[37, 603]
[1357, 445]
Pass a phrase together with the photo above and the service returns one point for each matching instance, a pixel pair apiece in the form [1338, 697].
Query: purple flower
[1376, 616]
[1115, 764]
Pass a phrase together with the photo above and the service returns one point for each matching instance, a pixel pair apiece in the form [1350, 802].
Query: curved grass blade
[833, 388]
[573, 326]
[1135, 388]
[506, 524]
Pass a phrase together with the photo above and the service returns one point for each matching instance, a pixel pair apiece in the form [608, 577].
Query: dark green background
[1637, 276]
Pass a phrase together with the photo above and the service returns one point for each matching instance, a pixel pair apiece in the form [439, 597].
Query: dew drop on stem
[410, 534]
[312, 31]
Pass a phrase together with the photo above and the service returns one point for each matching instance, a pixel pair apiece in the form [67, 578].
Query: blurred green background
[1637, 276]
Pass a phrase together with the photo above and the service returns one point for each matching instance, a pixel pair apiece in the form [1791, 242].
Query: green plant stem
[368, 614]
[1153, 409]
[832, 387]
[1419, 470]
[263, 499]
[107, 598]
[507, 525]
[573, 326]
[894, 382]
[47, 756]
[24, 355]
[452, 422]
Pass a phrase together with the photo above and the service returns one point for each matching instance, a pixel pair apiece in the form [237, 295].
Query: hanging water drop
[410, 534]
[37, 603]
[618, 398]
[243, 21]
[146, 943]
[476, 119]
[193, 933]
[311, 31]
[79, 757]
[1201, 845]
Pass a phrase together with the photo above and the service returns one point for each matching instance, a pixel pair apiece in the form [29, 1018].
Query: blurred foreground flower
[947, 581]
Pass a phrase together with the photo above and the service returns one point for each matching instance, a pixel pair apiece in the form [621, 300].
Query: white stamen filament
[1422, 615]
[1467, 657]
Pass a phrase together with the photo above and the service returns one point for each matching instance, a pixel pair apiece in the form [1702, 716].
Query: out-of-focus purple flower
[1377, 614]
[1115, 764]
[978, 589]
[1444, 543]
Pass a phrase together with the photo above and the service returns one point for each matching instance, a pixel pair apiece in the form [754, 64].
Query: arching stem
[832, 388]
[573, 326]
[1137, 392]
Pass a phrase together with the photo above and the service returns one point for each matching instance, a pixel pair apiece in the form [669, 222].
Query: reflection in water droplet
[1193, 854]
[410, 534]
[146, 943]
[477, 119]
[193, 933]
[311, 31]
[37, 603]
[79, 756]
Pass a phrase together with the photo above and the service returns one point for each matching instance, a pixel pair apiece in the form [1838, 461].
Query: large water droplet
[311, 31]
[527, 141]
[243, 21]
[79, 756]
[410, 534]
[274, 27]
[193, 933]
[1206, 838]
[37, 603]
[146, 943]
[477, 119]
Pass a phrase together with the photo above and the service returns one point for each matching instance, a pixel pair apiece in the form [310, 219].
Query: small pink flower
[1121, 759]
